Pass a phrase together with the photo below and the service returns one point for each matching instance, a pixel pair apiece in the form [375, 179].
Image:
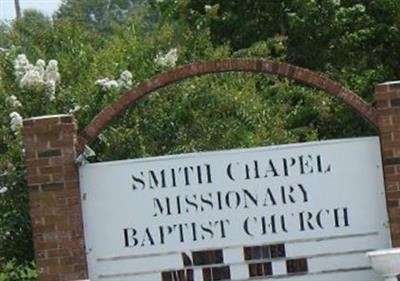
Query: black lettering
[229, 172]
[319, 219]
[256, 171]
[304, 192]
[307, 221]
[269, 197]
[162, 233]
[199, 178]
[320, 166]
[206, 201]
[228, 200]
[139, 181]
[246, 225]
[191, 203]
[194, 232]
[283, 223]
[271, 224]
[305, 164]
[288, 195]
[247, 172]
[208, 230]
[154, 181]
[208, 169]
[253, 198]
[173, 177]
[178, 205]
[147, 237]
[181, 232]
[129, 237]
[219, 200]
[222, 225]
[286, 166]
[344, 217]
[159, 207]
[271, 169]
[186, 171]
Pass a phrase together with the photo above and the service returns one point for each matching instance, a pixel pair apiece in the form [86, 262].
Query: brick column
[55, 206]
[387, 99]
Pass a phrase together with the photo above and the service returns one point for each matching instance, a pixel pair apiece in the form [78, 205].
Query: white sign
[270, 212]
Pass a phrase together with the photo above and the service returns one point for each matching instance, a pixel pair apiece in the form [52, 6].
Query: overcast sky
[7, 9]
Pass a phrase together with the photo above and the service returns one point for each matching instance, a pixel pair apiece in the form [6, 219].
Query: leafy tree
[5, 40]
[28, 31]
[104, 15]
[352, 41]
[319, 34]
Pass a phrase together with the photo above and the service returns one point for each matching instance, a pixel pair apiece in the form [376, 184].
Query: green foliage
[15, 229]
[12, 271]
[361, 33]
[352, 41]
[5, 40]
[105, 16]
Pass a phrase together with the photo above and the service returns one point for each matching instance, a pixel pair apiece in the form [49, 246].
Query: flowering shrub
[31, 89]
[167, 60]
[124, 82]
[107, 84]
[13, 102]
[15, 122]
[38, 77]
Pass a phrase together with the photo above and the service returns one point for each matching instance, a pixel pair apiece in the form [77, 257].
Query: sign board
[279, 212]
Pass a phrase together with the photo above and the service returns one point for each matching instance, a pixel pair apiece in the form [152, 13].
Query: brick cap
[389, 83]
[387, 87]
[48, 117]
[163, 79]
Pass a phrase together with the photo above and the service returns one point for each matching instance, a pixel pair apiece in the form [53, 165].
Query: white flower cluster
[107, 84]
[75, 109]
[15, 121]
[212, 10]
[3, 189]
[13, 102]
[123, 82]
[37, 77]
[167, 60]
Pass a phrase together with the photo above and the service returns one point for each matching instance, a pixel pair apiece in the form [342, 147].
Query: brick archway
[161, 80]
[52, 148]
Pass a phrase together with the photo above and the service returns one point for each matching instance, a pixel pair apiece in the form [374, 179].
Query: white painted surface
[349, 177]
[386, 262]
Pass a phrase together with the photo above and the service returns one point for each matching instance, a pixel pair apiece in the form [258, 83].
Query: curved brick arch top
[163, 79]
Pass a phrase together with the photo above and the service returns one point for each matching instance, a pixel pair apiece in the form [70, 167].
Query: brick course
[158, 81]
[54, 194]
[52, 145]
[388, 116]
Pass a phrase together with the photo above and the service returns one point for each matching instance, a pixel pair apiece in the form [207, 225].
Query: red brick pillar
[387, 99]
[54, 197]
